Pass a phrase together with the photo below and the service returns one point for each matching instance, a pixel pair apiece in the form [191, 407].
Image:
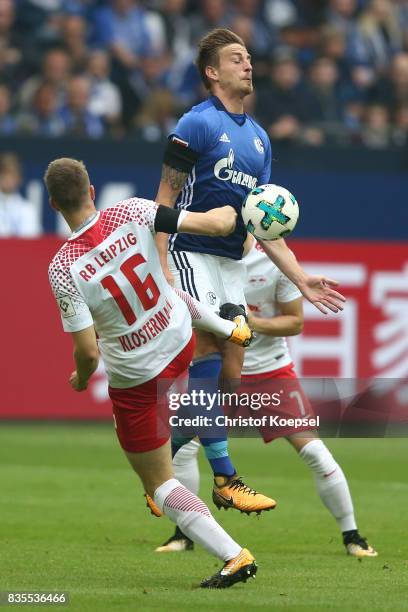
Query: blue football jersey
[234, 157]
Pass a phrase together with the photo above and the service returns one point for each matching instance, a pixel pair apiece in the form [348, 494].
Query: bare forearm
[85, 365]
[215, 222]
[319, 290]
[281, 325]
[286, 261]
[162, 241]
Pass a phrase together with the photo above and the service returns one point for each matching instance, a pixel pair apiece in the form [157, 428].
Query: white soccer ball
[270, 212]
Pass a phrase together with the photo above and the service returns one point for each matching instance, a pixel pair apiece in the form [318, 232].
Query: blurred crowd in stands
[325, 71]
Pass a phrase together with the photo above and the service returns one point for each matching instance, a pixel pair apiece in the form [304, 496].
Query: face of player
[234, 72]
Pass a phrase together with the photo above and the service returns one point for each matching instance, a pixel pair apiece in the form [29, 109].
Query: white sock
[331, 483]
[185, 466]
[204, 318]
[194, 519]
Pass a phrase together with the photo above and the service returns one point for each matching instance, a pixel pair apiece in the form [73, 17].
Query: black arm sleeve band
[166, 219]
[179, 157]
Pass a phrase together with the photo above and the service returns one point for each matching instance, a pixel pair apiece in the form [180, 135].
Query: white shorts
[210, 279]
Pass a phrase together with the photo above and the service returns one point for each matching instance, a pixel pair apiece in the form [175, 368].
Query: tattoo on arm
[173, 177]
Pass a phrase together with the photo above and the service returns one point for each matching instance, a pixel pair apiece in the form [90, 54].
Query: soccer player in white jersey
[215, 156]
[275, 311]
[113, 298]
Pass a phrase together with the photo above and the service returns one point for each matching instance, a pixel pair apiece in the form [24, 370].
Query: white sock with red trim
[331, 483]
[194, 519]
[185, 466]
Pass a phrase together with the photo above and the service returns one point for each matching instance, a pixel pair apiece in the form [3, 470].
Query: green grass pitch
[72, 518]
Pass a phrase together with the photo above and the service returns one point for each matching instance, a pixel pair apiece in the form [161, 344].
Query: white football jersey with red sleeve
[108, 274]
[265, 286]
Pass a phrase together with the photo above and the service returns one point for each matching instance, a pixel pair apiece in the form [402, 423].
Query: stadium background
[352, 227]
[339, 134]
[105, 81]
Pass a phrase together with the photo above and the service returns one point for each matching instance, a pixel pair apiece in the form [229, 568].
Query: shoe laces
[230, 565]
[239, 485]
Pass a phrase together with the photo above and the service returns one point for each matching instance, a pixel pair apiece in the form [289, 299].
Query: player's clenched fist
[76, 383]
[226, 217]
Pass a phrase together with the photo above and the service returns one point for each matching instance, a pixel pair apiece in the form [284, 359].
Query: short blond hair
[67, 182]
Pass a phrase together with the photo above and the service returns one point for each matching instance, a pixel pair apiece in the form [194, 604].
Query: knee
[318, 457]
[232, 361]
[205, 344]
[186, 453]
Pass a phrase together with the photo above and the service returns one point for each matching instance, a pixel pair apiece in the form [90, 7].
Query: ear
[211, 73]
[92, 192]
[53, 204]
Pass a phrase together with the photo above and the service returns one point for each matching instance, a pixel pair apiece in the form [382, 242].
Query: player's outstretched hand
[224, 220]
[75, 383]
[319, 291]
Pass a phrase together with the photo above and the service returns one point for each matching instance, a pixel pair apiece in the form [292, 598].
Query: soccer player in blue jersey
[215, 156]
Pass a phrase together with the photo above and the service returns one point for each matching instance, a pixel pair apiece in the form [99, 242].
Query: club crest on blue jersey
[259, 145]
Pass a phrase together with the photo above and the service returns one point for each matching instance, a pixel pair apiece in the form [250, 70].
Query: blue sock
[216, 451]
[203, 375]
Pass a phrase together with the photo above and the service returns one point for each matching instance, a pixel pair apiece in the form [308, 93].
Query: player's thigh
[209, 279]
[232, 362]
[231, 288]
[153, 467]
[285, 407]
[213, 281]
[141, 420]
[232, 276]
[299, 440]
[196, 274]
[206, 343]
